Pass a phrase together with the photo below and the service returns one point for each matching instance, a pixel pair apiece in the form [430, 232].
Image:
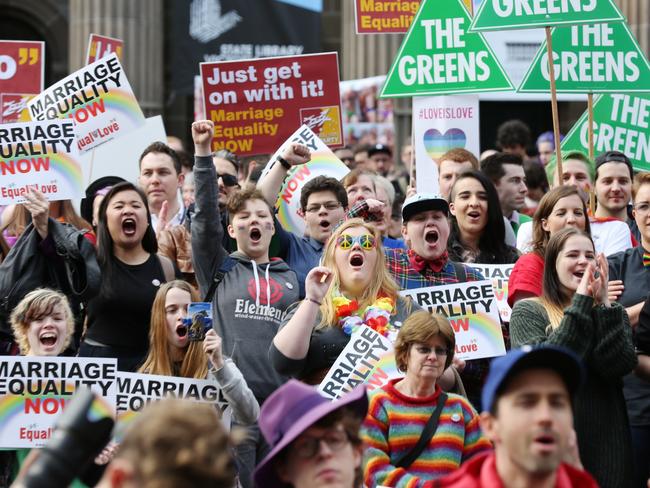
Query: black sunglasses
[228, 180]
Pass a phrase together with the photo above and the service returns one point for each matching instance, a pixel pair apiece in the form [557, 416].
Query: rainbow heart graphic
[438, 144]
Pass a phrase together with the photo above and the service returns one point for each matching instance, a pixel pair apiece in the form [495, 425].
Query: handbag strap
[427, 433]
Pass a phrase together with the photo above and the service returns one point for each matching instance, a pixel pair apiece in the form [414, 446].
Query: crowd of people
[569, 405]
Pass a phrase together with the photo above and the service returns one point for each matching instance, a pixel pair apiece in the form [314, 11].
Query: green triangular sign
[525, 14]
[621, 123]
[438, 56]
[596, 58]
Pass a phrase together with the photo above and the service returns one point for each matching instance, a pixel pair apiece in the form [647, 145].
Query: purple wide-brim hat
[288, 412]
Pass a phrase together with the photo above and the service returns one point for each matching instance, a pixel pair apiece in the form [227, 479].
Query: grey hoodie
[250, 303]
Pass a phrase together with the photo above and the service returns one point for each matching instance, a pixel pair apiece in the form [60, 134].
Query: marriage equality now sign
[473, 313]
[135, 391]
[41, 156]
[367, 359]
[98, 97]
[34, 391]
[255, 103]
[499, 274]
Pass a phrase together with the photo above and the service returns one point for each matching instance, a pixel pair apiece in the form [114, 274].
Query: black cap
[86, 206]
[614, 157]
[379, 148]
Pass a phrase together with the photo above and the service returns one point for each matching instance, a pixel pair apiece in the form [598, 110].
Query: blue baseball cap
[563, 361]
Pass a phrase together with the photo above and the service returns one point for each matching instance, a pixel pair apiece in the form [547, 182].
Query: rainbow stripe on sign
[321, 164]
[10, 406]
[68, 168]
[124, 102]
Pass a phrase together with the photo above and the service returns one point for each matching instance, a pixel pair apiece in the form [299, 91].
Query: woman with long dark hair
[574, 311]
[562, 207]
[477, 231]
[118, 318]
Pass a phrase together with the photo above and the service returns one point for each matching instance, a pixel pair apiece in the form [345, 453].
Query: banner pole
[90, 167]
[590, 116]
[556, 118]
[412, 168]
[590, 121]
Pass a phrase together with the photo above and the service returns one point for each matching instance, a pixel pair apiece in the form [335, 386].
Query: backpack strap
[218, 277]
[167, 267]
[427, 434]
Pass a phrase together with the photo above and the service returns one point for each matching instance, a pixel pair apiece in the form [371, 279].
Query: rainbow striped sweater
[393, 426]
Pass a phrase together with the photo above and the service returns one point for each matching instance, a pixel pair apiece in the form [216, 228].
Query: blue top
[300, 253]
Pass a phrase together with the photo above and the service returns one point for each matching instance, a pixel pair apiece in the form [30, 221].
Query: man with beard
[528, 415]
[614, 175]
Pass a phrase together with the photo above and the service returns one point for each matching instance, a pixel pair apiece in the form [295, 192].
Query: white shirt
[609, 237]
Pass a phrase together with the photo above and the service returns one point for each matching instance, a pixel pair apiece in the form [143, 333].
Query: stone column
[140, 24]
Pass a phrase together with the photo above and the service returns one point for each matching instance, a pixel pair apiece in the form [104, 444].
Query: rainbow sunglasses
[366, 241]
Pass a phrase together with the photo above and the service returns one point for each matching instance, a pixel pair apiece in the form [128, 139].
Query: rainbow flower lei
[376, 316]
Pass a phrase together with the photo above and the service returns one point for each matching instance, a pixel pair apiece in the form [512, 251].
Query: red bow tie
[419, 263]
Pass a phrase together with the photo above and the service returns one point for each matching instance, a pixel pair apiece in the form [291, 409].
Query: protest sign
[135, 391]
[590, 58]
[621, 123]
[384, 16]
[499, 274]
[101, 161]
[39, 155]
[439, 56]
[34, 391]
[22, 65]
[323, 162]
[256, 102]
[440, 124]
[101, 46]
[367, 119]
[13, 107]
[472, 312]
[523, 14]
[98, 97]
[367, 358]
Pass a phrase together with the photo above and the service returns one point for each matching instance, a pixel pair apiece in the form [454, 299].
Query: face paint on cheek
[241, 227]
[268, 226]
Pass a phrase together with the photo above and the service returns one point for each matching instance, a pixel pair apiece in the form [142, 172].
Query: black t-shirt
[122, 319]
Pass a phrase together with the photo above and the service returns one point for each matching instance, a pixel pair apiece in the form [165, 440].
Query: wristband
[285, 164]
[313, 301]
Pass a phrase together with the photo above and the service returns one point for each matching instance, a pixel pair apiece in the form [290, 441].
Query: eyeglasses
[228, 180]
[328, 206]
[307, 447]
[366, 241]
[642, 208]
[440, 351]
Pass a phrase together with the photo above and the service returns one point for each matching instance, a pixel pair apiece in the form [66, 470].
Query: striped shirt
[393, 426]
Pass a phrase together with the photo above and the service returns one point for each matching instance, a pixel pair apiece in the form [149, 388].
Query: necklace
[376, 315]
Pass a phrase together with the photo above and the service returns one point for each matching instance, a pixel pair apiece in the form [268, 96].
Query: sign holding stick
[472, 312]
[554, 111]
